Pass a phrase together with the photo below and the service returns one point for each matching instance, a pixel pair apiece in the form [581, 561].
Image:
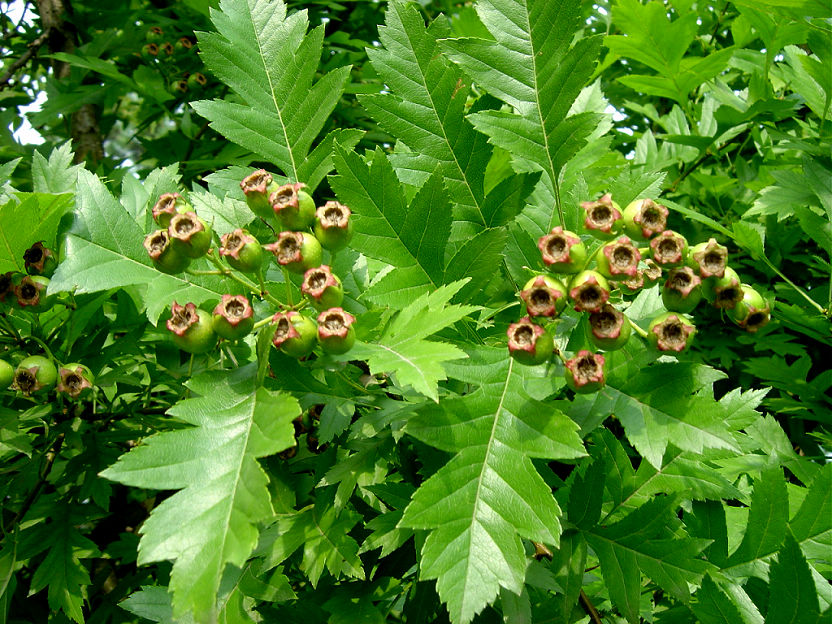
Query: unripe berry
[752, 312]
[618, 259]
[644, 218]
[179, 88]
[191, 234]
[183, 44]
[154, 34]
[6, 374]
[724, 292]
[669, 249]
[333, 226]
[608, 328]
[544, 296]
[75, 380]
[197, 82]
[242, 251]
[322, 287]
[166, 257]
[294, 334]
[297, 251]
[709, 259]
[257, 188]
[35, 374]
[529, 343]
[192, 328]
[31, 293]
[233, 317]
[335, 330]
[682, 291]
[562, 251]
[584, 373]
[603, 217]
[40, 260]
[150, 52]
[169, 205]
[671, 332]
[589, 291]
[293, 207]
[165, 50]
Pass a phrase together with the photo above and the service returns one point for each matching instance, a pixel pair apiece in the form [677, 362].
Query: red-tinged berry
[295, 334]
[150, 52]
[233, 317]
[671, 332]
[294, 207]
[7, 286]
[169, 205]
[723, 292]
[165, 256]
[6, 374]
[584, 373]
[652, 273]
[562, 251]
[155, 34]
[644, 218]
[322, 287]
[529, 343]
[335, 330]
[682, 291]
[75, 380]
[257, 187]
[589, 291]
[669, 249]
[183, 44]
[31, 293]
[179, 88]
[603, 217]
[242, 251]
[191, 234]
[192, 328]
[165, 50]
[544, 296]
[333, 226]
[35, 373]
[609, 328]
[197, 82]
[618, 259]
[709, 259]
[297, 251]
[40, 260]
[752, 312]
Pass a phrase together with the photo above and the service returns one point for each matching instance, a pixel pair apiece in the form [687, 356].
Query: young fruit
[293, 207]
[179, 88]
[529, 343]
[333, 226]
[233, 317]
[562, 251]
[603, 217]
[35, 374]
[584, 373]
[335, 330]
[257, 188]
[752, 311]
[192, 328]
[322, 287]
[608, 328]
[75, 380]
[166, 257]
[31, 293]
[150, 52]
[544, 296]
[165, 50]
[671, 332]
[644, 218]
[40, 260]
[169, 205]
[183, 44]
[619, 259]
[242, 251]
[155, 34]
[190, 234]
[682, 291]
[709, 259]
[197, 82]
[297, 251]
[294, 333]
[670, 249]
[589, 291]
[724, 292]
[6, 374]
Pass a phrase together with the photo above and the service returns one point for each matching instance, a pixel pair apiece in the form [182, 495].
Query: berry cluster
[176, 58]
[304, 231]
[690, 275]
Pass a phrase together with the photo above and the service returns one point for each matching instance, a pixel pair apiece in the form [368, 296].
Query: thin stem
[638, 329]
[590, 609]
[288, 286]
[261, 323]
[42, 345]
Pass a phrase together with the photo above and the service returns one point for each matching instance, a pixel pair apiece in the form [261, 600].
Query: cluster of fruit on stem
[691, 275]
[177, 59]
[304, 232]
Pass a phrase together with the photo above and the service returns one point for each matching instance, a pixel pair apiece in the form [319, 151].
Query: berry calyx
[257, 188]
[165, 257]
[335, 330]
[192, 328]
[197, 81]
[295, 208]
[150, 51]
[584, 373]
[671, 332]
[333, 226]
[529, 343]
[190, 233]
[322, 287]
[724, 292]
[40, 260]
[682, 291]
[169, 205]
[589, 291]
[709, 259]
[233, 317]
[179, 87]
[562, 251]
[669, 249]
[608, 328]
[165, 49]
[35, 373]
[619, 259]
[31, 293]
[294, 333]
[6, 374]
[75, 380]
[183, 44]
[544, 296]
[752, 312]
[603, 217]
[644, 218]
[242, 251]
[297, 251]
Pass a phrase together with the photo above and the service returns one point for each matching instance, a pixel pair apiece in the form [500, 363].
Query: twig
[590, 609]
[24, 58]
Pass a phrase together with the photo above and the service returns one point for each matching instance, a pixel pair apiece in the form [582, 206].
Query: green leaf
[794, 598]
[712, 605]
[223, 490]
[56, 175]
[812, 524]
[489, 495]
[568, 565]
[30, 218]
[270, 61]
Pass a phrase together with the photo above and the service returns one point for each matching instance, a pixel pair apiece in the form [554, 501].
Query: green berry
[544, 296]
[191, 234]
[155, 34]
[723, 292]
[644, 218]
[242, 251]
[671, 332]
[529, 343]
[233, 317]
[584, 373]
[183, 44]
[294, 208]
[709, 259]
[618, 259]
[75, 380]
[197, 82]
[589, 291]
[752, 311]
[682, 291]
[562, 251]
[192, 328]
[40, 260]
[609, 328]
[35, 373]
[322, 287]
[257, 187]
[297, 251]
[31, 293]
[603, 217]
[150, 52]
[335, 330]
[669, 249]
[333, 226]
[6, 374]
[295, 334]
[168, 206]
[165, 256]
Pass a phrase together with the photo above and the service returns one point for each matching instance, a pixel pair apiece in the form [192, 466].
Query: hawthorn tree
[506, 311]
